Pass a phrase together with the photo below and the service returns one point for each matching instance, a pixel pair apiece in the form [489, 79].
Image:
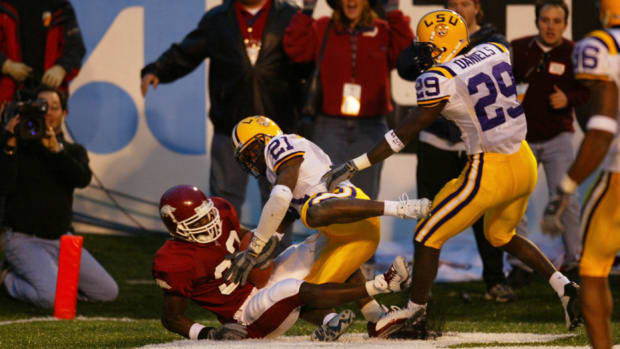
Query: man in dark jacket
[441, 152]
[41, 43]
[249, 74]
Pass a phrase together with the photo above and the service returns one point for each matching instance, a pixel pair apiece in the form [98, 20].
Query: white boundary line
[51, 318]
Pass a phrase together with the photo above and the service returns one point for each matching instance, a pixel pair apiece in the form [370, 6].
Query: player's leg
[601, 235]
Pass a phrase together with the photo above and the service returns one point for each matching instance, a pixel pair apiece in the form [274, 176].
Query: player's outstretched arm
[601, 127]
[393, 142]
[174, 320]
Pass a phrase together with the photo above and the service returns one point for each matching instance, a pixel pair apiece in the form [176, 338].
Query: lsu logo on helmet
[446, 30]
[250, 136]
[610, 13]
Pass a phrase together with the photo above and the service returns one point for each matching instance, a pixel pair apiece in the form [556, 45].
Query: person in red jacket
[542, 64]
[40, 43]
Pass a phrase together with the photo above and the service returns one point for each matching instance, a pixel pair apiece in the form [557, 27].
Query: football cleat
[570, 304]
[413, 209]
[334, 328]
[395, 319]
[396, 278]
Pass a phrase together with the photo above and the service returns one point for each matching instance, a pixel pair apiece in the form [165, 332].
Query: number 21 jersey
[482, 98]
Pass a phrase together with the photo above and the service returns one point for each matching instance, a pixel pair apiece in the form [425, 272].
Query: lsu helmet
[250, 136]
[609, 13]
[446, 31]
[189, 215]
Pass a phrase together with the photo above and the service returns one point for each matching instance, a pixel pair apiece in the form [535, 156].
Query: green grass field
[133, 319]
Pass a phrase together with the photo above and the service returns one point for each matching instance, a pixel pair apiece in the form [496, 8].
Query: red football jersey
[195, 270]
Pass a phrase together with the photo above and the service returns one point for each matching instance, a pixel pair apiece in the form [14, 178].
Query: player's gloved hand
[308, 7]
[227, 332]
[258, 254]
[551, 223]
[390, 5]
[17, 70]
[53, 76]
[415, 60]
[339, 174]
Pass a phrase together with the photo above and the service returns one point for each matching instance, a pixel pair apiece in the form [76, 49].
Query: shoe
[413, 209]
[500, 293]
[396, 278]
[334, 328]
[518, 277]
[395, 319]
[570, 304]
[416, 330]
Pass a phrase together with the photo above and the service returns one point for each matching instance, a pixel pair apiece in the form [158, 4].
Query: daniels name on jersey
[474, 85]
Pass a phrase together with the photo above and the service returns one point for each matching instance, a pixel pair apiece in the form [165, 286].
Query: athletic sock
[557, 281]
[372, 311]
[390, 208]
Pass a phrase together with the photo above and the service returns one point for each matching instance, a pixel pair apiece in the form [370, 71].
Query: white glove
[17, 70]
[53, 76]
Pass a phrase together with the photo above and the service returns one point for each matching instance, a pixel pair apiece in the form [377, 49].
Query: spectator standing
[249, 74]
[37, 181]
[542, 64]
[41, 44]
[441, 151]
[361, 51]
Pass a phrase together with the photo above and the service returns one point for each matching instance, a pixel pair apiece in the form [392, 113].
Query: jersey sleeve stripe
[287, 158]
[442, 71]
[499, 46]
[584, 76]
[433, 101]
[606, 39]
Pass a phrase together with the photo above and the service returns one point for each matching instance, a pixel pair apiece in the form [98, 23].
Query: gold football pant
[348, 245]
[600, 226]
[495, 185]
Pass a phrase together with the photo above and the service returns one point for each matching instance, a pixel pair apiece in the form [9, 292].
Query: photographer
[38, 177]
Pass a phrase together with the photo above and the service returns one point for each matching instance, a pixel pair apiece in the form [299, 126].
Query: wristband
[603, 123]
[568, 185]
[393, 141]
[194, 331]
[362, 162]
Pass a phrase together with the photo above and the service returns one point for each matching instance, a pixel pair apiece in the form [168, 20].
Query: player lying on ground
[191, 267]
[347, 220]
[474, 88]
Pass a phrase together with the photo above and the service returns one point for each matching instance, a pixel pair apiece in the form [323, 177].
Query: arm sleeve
[182, 58]
[71, 165]
[74, 50]
[401, 35]
[301, 38]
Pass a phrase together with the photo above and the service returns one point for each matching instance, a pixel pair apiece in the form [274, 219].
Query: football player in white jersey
[477, 91]
[597, 64]
[346, 218]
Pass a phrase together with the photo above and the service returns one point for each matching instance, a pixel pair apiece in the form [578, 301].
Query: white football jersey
[482, 98]
[596, 58]
[288, 146]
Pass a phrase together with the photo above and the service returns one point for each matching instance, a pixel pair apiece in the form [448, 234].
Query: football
[257, 276]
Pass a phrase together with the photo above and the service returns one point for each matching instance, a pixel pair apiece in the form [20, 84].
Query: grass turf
[128, 259]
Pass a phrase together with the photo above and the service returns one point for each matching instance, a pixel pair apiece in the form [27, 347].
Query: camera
[31, 125]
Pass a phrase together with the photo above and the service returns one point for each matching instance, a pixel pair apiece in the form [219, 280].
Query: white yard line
[51, 318]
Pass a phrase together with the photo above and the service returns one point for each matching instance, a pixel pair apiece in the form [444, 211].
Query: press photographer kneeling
[39, 171]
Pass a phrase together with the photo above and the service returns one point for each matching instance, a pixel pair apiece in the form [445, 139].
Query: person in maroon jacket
[40, 43]
[543, 68]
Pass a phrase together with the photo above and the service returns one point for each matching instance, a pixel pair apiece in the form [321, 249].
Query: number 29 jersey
[482, 98]
[597, 57]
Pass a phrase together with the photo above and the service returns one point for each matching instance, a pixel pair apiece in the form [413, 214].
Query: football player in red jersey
[192, 264]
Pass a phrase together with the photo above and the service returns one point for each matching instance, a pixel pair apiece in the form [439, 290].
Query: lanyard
[251, 20]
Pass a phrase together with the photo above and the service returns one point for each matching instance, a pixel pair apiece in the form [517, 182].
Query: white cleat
[413, 208]
[396, 278]
[334, 328]
[395, 319]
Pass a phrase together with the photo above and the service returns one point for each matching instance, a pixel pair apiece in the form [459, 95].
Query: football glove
[415, 60]
[227, 332]
[339, 174]
[53, 76]
[258, 255]
[551, 223]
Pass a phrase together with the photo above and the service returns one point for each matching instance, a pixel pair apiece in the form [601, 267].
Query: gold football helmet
[446, 30]
[610, 13]
[250, 136]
